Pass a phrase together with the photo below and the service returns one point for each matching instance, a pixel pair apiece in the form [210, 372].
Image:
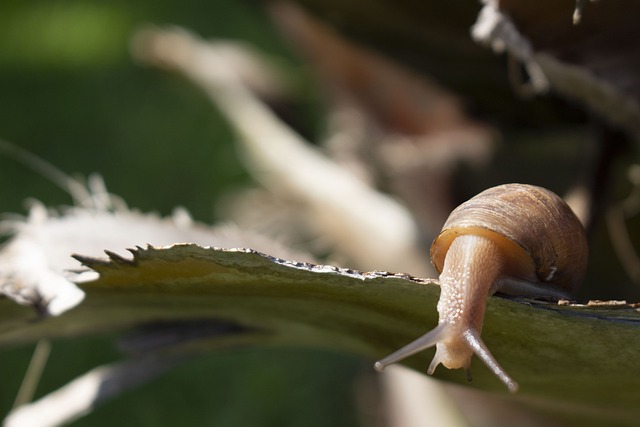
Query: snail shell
[514, 238]
[539, 231]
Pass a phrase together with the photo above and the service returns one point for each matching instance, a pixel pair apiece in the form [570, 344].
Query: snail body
[515, 239]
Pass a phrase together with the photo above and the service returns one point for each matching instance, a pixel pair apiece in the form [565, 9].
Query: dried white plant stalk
[372, 228]
[84, 393]
[36, 267]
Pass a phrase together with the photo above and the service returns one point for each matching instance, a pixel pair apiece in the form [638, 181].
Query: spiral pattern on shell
[535, 219]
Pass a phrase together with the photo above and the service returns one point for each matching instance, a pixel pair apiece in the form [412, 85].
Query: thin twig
[622, 244]
[34, 373]
[81, 395]
[68, 184]
[616, 218]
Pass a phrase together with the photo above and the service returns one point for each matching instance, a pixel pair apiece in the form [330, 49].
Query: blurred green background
[70, 93]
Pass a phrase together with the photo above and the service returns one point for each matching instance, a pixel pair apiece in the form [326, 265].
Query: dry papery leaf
[367, 226]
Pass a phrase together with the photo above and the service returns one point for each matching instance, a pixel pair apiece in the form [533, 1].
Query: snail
[514, 239]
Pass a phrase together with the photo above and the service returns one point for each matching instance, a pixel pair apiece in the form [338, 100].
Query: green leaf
[571, 362]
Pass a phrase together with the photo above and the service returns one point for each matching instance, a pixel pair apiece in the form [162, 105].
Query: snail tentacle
[482, 351]
[428, 340]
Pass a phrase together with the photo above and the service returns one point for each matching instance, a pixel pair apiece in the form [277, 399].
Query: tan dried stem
[370, 227]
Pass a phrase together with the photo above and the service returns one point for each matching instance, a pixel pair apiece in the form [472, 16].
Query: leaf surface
[573, 362]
